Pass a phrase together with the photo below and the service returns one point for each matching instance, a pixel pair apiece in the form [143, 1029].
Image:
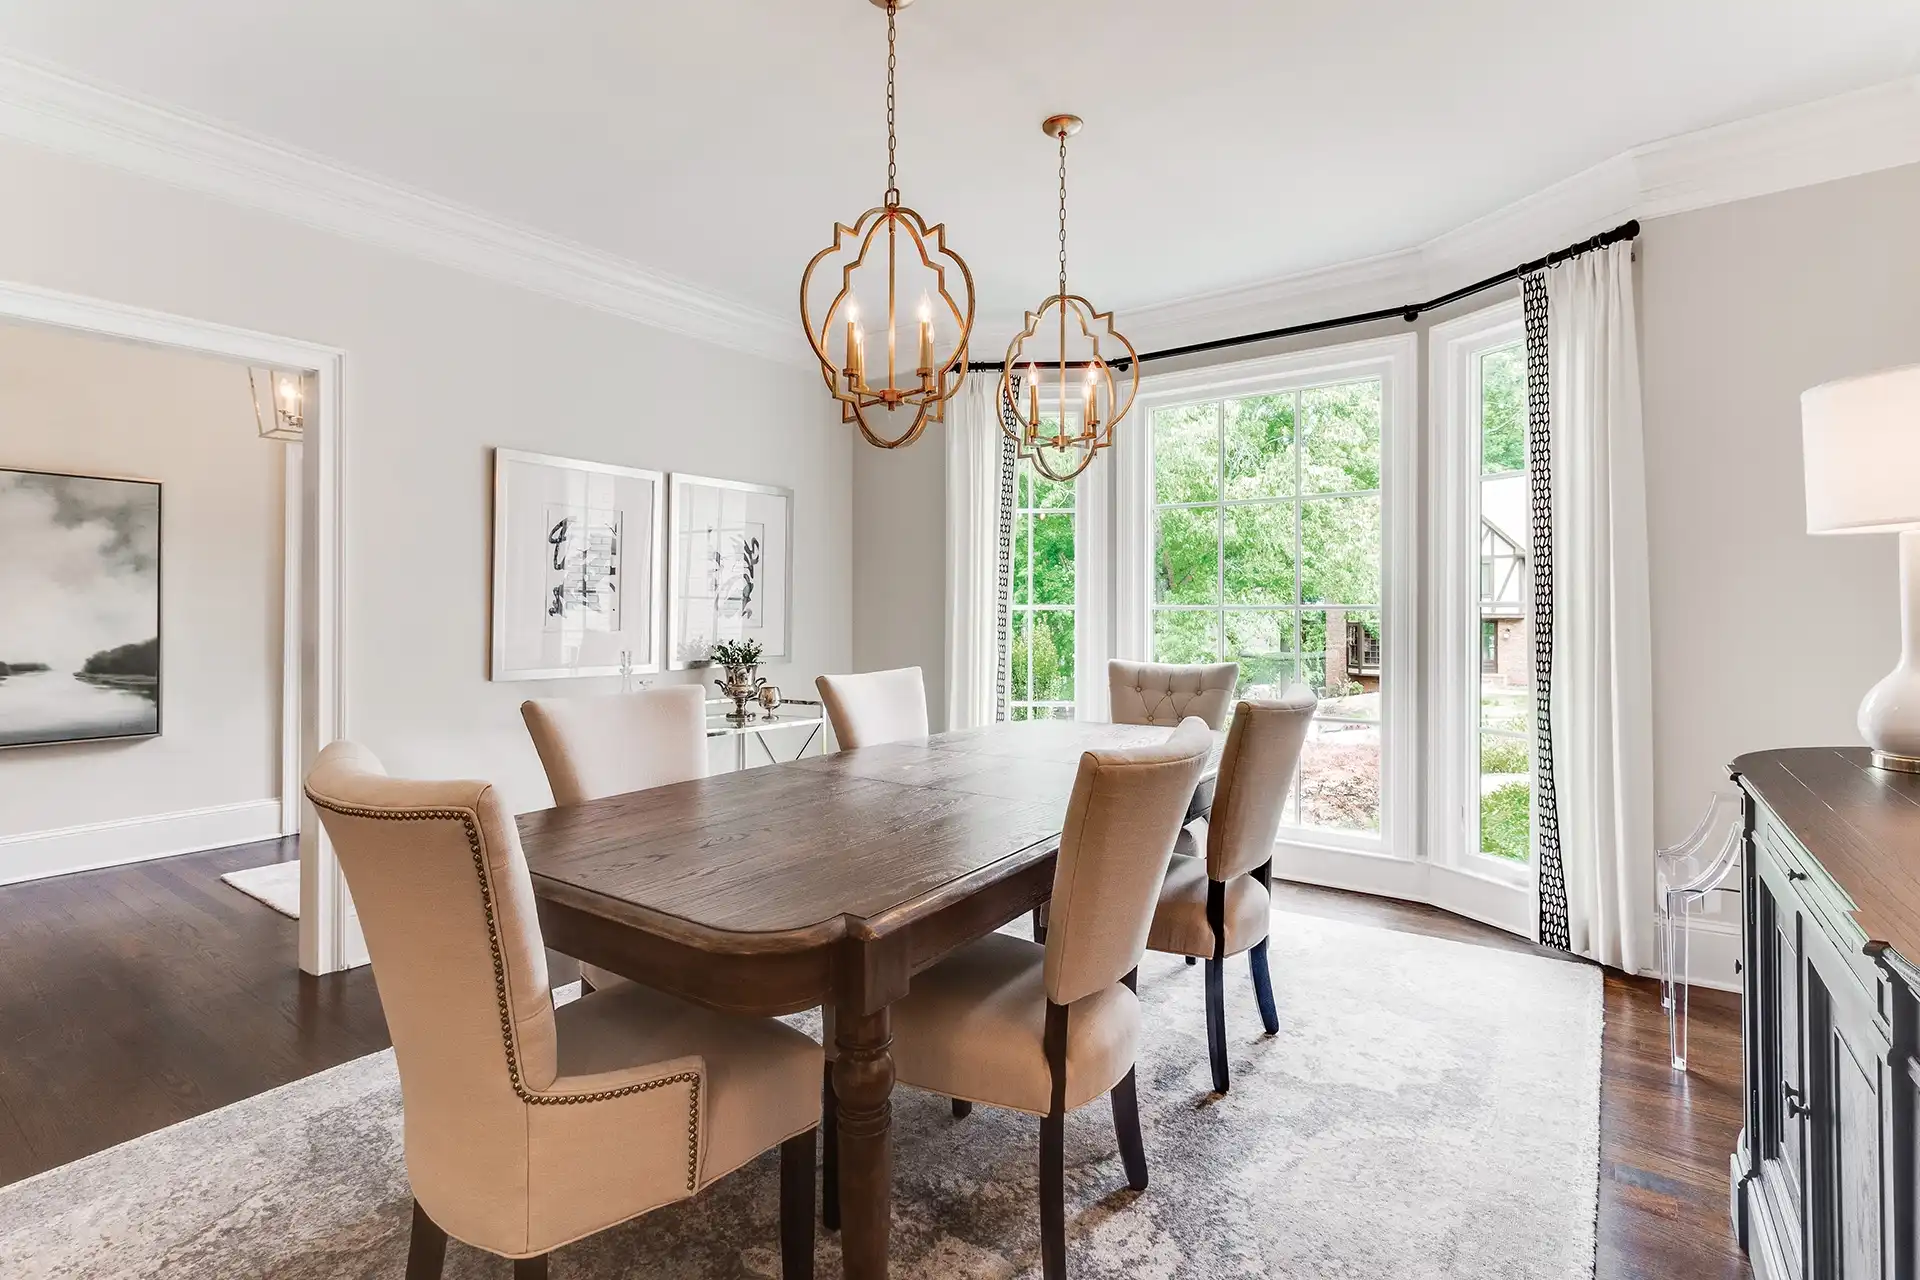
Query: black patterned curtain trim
[1003, 568]
[1552, 872]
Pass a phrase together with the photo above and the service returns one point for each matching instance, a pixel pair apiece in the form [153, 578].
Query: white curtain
[1602, 685]
[973, 552]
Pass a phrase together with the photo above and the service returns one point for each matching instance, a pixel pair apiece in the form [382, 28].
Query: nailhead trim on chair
[507, 1039]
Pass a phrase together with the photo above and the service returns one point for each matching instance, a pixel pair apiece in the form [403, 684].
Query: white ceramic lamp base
[1890, 713]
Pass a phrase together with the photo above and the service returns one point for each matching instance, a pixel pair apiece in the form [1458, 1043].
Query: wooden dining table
[824, 881]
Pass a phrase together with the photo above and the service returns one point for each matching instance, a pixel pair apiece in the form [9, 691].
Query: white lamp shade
[1862, 443]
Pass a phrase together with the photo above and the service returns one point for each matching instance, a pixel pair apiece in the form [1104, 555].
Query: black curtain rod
[1410, 312]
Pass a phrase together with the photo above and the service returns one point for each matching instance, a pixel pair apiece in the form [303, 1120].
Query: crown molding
[1839, 137]
[56, 111]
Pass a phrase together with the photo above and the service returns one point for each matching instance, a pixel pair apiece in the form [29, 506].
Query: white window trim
[1395, 361]
[1500, 891]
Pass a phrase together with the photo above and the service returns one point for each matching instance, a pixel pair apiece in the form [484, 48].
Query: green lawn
[1504, 825]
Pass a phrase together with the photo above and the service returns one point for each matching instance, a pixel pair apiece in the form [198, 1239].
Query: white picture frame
[578, 567]
[730, 568]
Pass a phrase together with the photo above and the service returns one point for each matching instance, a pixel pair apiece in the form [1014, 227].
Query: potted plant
[741, 660]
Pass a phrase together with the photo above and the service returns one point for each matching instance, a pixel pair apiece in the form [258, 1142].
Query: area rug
[1429, 1109]
[277, 885]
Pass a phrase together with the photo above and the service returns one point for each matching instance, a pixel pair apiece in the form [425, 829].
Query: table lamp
[1862, 444]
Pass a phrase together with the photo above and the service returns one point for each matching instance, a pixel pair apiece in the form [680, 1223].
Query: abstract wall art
[79, 608]
[577, 566]
[730, 575]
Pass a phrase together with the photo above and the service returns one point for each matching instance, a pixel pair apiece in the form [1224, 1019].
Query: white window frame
[1464, 879]
[1314, 853]
[1077, 608]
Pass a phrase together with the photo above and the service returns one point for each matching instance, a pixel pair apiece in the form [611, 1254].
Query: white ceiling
[1227, 141]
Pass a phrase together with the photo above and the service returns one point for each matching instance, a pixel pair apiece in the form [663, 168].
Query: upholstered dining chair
[615, 743]
[619, 742]
[1044, 1029]
[526, 1127]
[1216, 898]
[1167, 693]
[875, 706]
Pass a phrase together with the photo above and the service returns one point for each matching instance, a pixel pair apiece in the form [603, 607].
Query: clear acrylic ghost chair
[1687, 873]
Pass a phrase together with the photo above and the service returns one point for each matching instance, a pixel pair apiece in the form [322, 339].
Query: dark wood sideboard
[1827, 1170]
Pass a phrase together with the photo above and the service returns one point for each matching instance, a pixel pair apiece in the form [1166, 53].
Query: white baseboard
[1715, 948]
[1714, 941]
[34, 855]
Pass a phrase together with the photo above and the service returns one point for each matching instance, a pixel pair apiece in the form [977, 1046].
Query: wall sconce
[280, 398]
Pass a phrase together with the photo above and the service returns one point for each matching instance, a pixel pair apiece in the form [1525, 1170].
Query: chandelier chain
[1063, 213]
[893, 165]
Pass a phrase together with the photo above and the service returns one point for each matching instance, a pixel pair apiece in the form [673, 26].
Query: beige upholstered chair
[527, 1128]
[877, 706]
[1217, 906]
[616, 743]
[621, 742]
[1045, 1029]
[1159, 693]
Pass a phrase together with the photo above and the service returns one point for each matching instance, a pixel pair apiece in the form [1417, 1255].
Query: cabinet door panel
[1846, 1094]
[1857, 1120]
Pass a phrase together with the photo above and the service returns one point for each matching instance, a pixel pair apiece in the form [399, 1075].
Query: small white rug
[1429, 1110]
[277, 884]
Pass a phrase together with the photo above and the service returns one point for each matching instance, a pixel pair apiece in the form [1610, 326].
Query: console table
[1827, 1170]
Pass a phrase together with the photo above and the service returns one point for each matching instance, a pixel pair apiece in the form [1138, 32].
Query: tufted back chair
[1165, 694]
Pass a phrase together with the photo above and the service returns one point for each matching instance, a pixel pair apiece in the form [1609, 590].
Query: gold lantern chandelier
[1062, 426]
[893, 410]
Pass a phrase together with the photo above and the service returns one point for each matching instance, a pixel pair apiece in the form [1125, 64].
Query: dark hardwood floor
[140, 996]
[146, 994]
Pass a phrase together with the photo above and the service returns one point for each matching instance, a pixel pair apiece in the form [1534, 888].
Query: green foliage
[1340, 441]
[736, 653]
[1506, 827]
[1046, 639]
[1503, 410]
[1503, 755]
[1270, 549]
[1259, 553]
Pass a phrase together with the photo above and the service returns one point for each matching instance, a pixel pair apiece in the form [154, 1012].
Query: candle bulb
[926, 339]
[1092, 419]
[1033, 397]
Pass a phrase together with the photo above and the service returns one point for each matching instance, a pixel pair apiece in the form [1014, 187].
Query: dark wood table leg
[863, 1082]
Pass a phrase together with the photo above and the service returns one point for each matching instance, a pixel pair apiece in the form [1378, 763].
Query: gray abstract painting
[79, 608]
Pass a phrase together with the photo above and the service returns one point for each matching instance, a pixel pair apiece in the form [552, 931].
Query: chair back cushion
[616, 743]
[1125, 813]
[1159, 693]
[441, 887]
[877, 706]
[1256, 770]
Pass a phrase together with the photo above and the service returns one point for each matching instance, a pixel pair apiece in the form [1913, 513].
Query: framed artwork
[730, 574]
[79, 608]
[577, 567]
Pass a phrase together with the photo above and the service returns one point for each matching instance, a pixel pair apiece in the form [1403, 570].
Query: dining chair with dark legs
[1045, 1029]
[528, 1127]
[1217, 897]
[1165, 693]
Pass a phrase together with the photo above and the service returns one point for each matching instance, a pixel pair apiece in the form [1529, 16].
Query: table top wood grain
[1861, 823]
[787, 856]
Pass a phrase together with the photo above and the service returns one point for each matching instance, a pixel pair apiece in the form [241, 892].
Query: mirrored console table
[792, 713]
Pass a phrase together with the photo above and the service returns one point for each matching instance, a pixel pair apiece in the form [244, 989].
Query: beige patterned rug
[1429, 1109]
